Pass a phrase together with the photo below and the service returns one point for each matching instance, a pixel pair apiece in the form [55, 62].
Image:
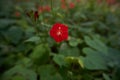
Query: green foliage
[96, 44]
[94, 60]
[59, 59]
[33, 39]
[14, 34]
[68, 51]
[19, 73]
[49, 72]
[40, 54]
[74, 42]
[106, 77]
[27, 52]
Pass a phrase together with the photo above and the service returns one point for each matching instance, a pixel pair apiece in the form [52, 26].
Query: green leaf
[18, 78]
[40, 54]
[27, 62]
[64, 73]
[48, 72]
[19, 71]
[23, 23]
[69, 51]
[88, 23]
[96, 44]
[106, 77]
[30, 32]
[74, 42]
[113, 57]
[59, 59]
[14, 34]
[6, 22]
[79, 15]
[33, 39]
[73, 60]
[93, 60]
[111, 54]
[85, 30]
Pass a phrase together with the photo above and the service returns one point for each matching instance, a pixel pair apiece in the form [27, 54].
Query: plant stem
[52, 5]
[52, 11]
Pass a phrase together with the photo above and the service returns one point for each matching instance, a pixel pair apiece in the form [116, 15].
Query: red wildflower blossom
[71, 5]
[17, 14]
[44, 8]
[59, 32]
[36, 15]
[40, 9]
[110, 2]
[63, 1]
[99, 1]
[63, 6]
[78, 0]
[47, 8]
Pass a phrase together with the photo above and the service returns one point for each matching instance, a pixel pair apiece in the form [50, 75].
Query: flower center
[59, 33]
[59, 28]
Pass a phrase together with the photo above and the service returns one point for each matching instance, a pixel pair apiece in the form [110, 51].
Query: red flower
[63, 6]
[78, 0]
[59, 32]
[47, 8]
[44, 8]
[17, 14]
[63, 1]
[71, 5]
[36, 15]
[110, 2]
[40, 9]
[99, 1]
